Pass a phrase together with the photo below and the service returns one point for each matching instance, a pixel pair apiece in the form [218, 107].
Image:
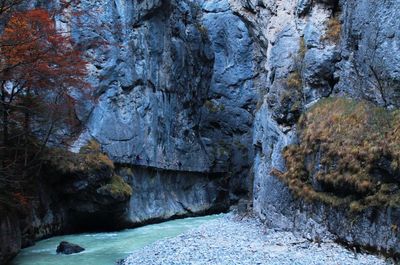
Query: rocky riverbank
[237, 240]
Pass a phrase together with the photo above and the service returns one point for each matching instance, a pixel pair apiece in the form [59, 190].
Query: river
[105, 248]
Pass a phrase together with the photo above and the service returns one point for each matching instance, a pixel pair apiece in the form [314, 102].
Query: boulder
[68, 248]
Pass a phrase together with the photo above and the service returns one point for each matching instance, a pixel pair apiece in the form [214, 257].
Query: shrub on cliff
[116, 188]
[89, 159]
[91, 165]
[348, 152]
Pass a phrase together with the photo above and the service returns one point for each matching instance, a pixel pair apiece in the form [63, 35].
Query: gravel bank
[232, 240]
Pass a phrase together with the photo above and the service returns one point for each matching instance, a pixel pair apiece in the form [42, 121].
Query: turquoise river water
[105, 248]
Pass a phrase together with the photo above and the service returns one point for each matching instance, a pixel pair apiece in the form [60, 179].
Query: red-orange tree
[39, 67]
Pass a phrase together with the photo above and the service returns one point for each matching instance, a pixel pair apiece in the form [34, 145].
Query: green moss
[347, 140]
[117, 188]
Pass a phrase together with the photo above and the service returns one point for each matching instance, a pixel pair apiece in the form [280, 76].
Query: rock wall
[311, 50]
[228, 112]
[151, 80]
[71, 201]
[161, 195]
[175, 86]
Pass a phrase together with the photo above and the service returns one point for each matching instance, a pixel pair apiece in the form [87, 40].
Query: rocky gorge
[199, 104]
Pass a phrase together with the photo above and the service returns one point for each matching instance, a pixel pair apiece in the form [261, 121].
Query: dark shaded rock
[68, 248]
[10, 236]
[303, 7]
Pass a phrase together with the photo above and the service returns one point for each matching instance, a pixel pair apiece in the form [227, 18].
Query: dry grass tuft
[90, 158]
[342, 143]
[333, 30]
[294, 80]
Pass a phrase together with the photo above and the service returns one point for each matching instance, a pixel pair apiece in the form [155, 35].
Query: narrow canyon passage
[117, 114]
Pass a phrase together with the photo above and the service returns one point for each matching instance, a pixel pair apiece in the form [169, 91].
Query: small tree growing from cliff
[39, 67]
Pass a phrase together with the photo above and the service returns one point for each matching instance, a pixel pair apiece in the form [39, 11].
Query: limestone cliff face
[228, 112]
[174, 84]
[175, 87]
[10, 238]
[151, 80]
[310, 50]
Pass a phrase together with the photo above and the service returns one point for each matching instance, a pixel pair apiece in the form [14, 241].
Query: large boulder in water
[68, 248]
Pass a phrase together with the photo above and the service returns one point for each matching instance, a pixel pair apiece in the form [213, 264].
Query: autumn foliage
[40, 70]
[35, 55]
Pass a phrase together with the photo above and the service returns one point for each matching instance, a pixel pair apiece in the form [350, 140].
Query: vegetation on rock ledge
[117, 188]
[349, 153]
[90, 158]
[90, 161]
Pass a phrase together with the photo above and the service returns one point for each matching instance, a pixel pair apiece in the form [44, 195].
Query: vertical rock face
[176, 87]
[161, 195]
[227, 113]
[289, 37]
[369, 58]
[152, 80]
[310, 50]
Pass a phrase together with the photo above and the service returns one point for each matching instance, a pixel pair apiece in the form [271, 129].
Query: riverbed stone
[243, 241]
[67, 248]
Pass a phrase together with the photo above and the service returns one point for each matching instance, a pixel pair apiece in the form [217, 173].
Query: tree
[7, 6]
[39, 68]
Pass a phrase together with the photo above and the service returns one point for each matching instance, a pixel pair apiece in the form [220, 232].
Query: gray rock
[153, 82]
[303, 6]
[319, 68]
[161, 195]
[370, 69]
[361, 64]
[227, 115]
[67, 248]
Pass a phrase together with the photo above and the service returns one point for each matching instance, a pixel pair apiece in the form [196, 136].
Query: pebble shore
[234, 240]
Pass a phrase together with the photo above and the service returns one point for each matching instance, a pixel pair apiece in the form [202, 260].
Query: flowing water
[105, 248]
